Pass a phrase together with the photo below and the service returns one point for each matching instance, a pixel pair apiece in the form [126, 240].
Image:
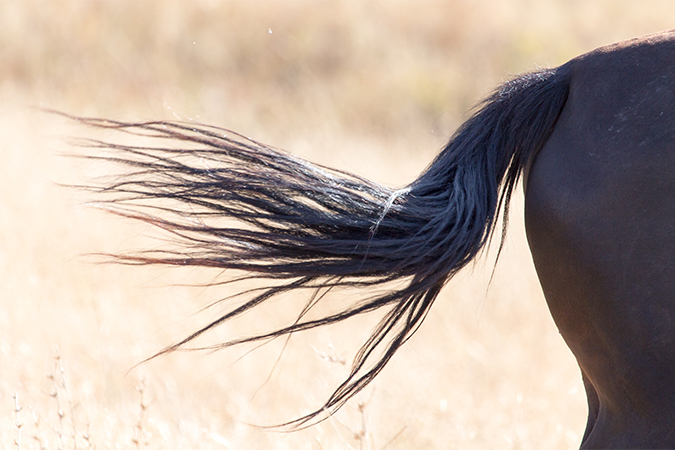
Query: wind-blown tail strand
[234, 203]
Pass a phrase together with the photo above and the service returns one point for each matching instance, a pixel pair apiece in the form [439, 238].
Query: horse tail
[234, 203]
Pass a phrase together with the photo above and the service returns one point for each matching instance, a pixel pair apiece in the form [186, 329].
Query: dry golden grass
[374, 88]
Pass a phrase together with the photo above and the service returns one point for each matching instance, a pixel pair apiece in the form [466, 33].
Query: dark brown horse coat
[600, 217]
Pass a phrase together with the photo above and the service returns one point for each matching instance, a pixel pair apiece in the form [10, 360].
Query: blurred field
[370, 87]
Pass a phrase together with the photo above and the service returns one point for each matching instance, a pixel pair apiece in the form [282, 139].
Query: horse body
[595, 139]
[600, 218]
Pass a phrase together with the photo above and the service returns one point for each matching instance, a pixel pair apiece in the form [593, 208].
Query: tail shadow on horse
[594, 140]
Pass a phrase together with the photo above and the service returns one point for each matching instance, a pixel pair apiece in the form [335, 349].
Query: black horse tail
[233, 203]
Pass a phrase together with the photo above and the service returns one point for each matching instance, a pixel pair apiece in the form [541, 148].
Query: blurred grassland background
[375, 88]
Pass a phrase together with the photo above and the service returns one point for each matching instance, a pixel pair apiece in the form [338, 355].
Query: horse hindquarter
[600, 217]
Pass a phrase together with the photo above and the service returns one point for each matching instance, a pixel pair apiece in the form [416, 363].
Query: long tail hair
[234, 203]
